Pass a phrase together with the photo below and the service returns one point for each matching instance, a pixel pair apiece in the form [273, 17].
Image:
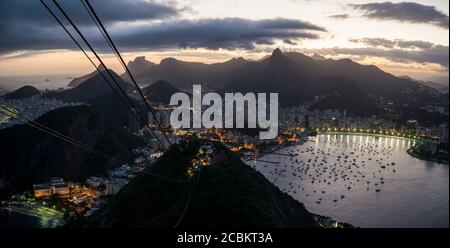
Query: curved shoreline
[31, 213]
[400, 153]
[369, 134]
[412, 153]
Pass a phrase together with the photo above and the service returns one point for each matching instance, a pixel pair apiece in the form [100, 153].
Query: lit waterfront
[16, 219]
[366, 181]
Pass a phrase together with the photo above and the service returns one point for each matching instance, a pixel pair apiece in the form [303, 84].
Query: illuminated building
[95, 182]
[306, 122]
[57, 186]
[411, 125]
[133, 121]
[41, 190]
[443, 133]
[113, 186]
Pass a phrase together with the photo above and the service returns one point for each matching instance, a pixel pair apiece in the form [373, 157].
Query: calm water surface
[11, 219]
[39, 81]
[366, 181]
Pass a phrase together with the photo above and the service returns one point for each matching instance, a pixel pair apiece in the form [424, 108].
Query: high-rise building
[150, 118]
[133, 120]
[334, 122]
[164, 119]
[114, 185]
[307, 121]
[411, 125]
[443, 133]
[56, 186]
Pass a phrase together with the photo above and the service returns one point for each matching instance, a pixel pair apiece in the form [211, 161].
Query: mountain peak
[23, 92]
[160, 83]
[139, 65]
[346, 60]
[238, 59]
[139, 59]
[100, 67]
[318, 57]
[277, 52]
[169, 60]
[160, 91]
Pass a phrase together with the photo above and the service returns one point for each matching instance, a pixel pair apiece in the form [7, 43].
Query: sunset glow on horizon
[413, 41]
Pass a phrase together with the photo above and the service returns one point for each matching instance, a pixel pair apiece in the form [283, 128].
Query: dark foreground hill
[227, 193]
[79, 80]
[339, 92]
[21, 93]
[160, 91]
[31, 156]
[93, 86]
[97, 93]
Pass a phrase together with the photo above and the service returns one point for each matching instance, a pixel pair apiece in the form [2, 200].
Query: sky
[401, 37]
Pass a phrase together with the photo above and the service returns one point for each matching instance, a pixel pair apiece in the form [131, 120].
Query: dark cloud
[398, 43]
[404, 12]
[339, 16]
[27, 25]
[437, 54]
[281, 23]
[264, 42]
[127, 10]
[227, 33]
[27, 11]
[414, 44]
[289, 42]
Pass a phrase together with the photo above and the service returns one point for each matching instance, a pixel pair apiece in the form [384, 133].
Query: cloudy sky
[404, 38]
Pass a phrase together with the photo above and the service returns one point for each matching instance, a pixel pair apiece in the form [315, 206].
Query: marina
[367, 181]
